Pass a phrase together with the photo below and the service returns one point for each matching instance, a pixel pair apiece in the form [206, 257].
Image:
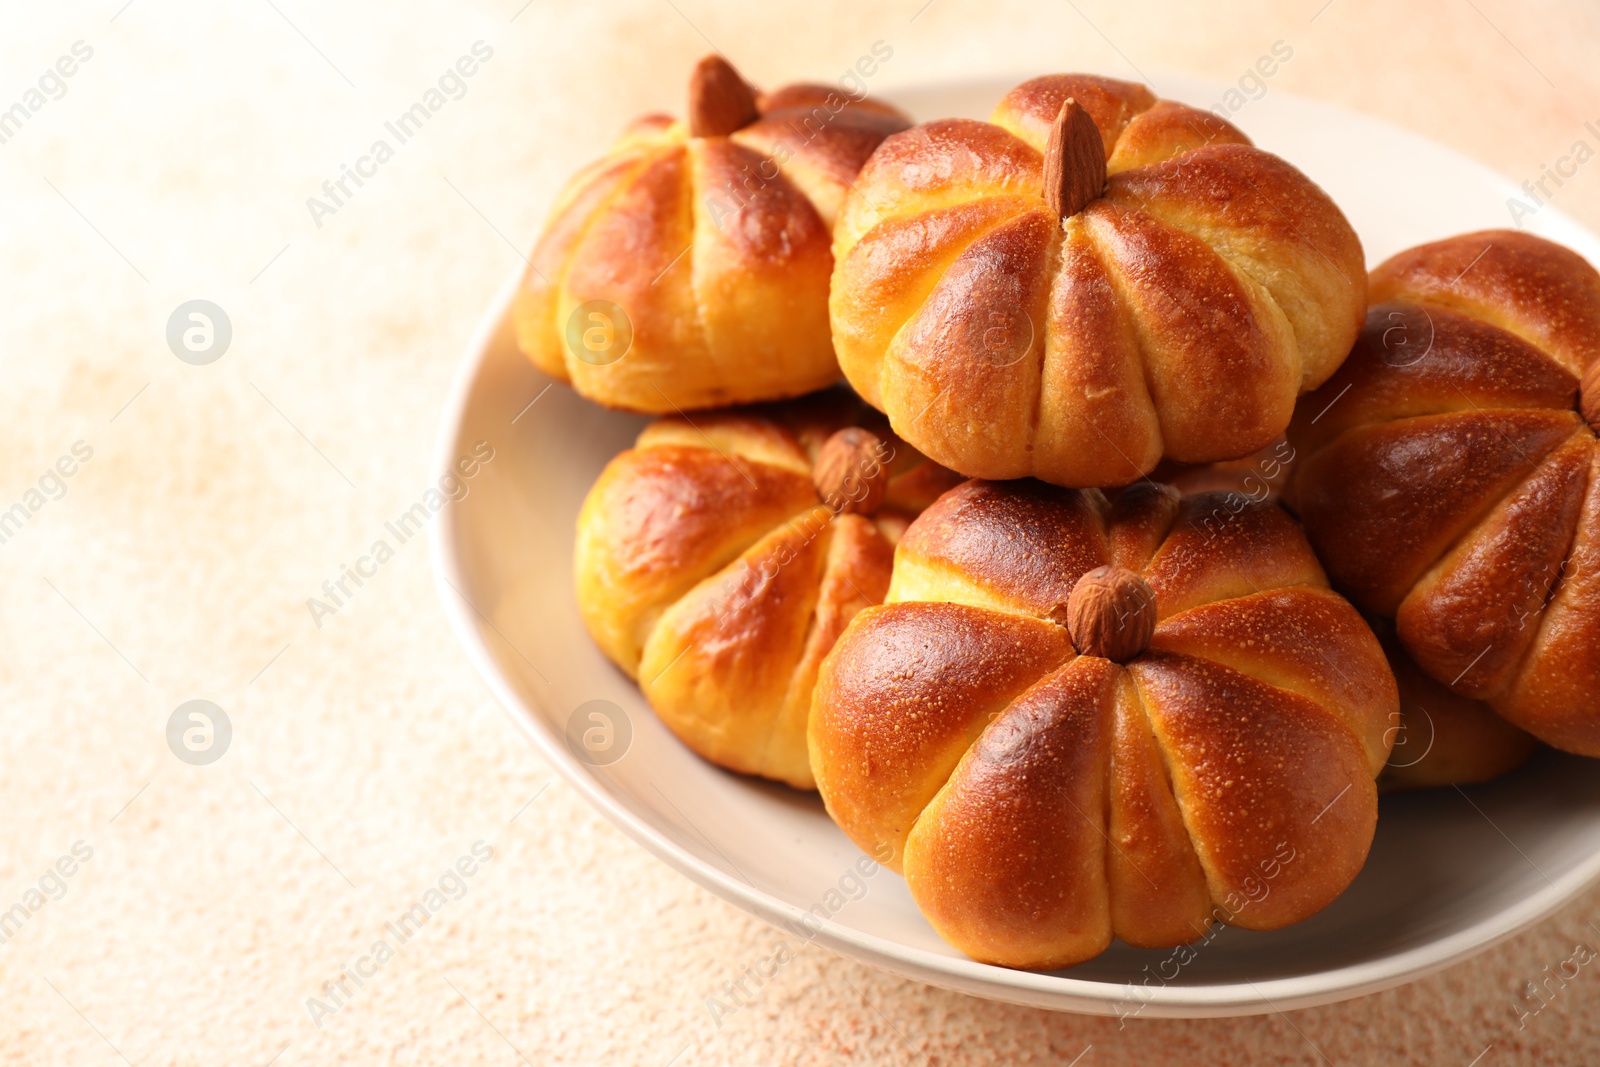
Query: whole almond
[850, 474]
[720, 101]
[1074, 161]
[1111, 614]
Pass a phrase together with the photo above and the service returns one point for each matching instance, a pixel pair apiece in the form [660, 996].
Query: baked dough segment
[1221, 362]
[1467, 618]
[855, 576]
[659, 520]
[823, 169]
[1468, 461]
[719, 664]
[1248, 207]
[903, 696]
[1159, 895]
[936, 165]
[1008, 860]
[969, 358]
[1302, 638]
[1094, 388]
[1028, 111]
[889, 277]
[1539, 291]
[1206, 556]
[746, 265]
[539, 330]
[1412, 361]
[1552, 694]
[1260, 773]
[1141, 519]
[1170, 129]
[622, 252]
[758, 435]
[1012, 546]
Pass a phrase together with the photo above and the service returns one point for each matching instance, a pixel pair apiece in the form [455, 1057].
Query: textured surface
[1191, 768]
[1472, 521]
[712, 569]
[1177, 310]
[194, 535]
[704, 259]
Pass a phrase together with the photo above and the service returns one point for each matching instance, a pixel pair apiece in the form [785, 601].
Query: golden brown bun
[1178, 315]
[1040, 802]
[708, 569]
[1443, 738]
[716, 250]
[1448, 479]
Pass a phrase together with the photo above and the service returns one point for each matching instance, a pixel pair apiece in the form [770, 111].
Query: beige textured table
[207, 904]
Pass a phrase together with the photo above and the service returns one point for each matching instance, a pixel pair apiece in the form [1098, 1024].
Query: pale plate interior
[1450, 871]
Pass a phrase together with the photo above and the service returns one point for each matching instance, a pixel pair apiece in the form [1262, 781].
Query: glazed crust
[708, 569]
[1178, 315]
[1439, 738]
[716, 250]
[1443, 738]
[1449, 481]
[1039, 802]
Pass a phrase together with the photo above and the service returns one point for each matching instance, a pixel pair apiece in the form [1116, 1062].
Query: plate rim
[987, 981]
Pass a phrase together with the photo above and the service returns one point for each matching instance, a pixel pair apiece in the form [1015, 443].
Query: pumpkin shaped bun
[1077, 717]
[1449, 474]
[1091, 281]
[718, 559]
[689, 267]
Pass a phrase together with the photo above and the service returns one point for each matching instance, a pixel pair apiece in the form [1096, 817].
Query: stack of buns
[1152, 538]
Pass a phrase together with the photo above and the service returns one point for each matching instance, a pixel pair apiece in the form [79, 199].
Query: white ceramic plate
[1450, 873]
